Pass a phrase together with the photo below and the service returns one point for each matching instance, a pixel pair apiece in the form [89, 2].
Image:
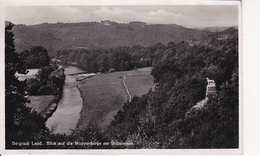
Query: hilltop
[216, 29]
[101, 35]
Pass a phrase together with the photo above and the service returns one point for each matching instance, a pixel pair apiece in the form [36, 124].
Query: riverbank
[43, 105]
[104, 94]
[69, 105]
[45, 93]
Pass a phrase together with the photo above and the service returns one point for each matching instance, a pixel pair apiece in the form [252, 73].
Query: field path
[127, 91]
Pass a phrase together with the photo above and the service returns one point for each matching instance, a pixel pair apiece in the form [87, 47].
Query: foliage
[20, 123]
[97, 35]
[36, 57]
[180, 71]
[127, 118]
[48, 81]
[98, 60]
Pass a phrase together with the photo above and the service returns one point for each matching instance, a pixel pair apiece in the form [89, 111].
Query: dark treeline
[36, 57]
[120, 59]
[157, 119]
[49, 79]
[22, 123]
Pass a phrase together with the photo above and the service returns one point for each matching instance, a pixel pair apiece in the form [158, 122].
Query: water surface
[67, 114]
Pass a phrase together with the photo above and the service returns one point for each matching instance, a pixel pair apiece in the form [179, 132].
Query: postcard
[114, 77]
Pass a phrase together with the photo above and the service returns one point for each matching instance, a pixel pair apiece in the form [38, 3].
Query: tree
[21, 124]
[14, 94]
[36, 57]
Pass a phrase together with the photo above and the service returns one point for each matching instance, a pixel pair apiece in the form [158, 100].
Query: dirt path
[127, 91]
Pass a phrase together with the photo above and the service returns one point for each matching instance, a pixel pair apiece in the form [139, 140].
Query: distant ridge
[215, 29]
[100, 35]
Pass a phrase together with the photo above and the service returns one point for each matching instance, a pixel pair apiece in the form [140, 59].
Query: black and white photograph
[123, 77]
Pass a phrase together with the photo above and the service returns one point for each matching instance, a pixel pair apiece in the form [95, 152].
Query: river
[66, 116]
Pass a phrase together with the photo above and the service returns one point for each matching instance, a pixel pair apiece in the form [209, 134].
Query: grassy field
[104, 94]
[139, 82]
[40, 103]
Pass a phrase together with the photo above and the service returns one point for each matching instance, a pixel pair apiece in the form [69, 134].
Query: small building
[211, 87]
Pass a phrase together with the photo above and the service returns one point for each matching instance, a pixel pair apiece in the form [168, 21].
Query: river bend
[66, 117]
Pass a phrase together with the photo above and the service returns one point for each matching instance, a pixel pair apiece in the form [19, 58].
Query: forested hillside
[126, 58]
[158, 120]
[100, 35]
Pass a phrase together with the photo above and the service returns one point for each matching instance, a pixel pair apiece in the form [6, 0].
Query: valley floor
[104, 94]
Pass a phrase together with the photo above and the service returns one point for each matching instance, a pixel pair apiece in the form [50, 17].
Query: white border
[251, 75]
[3, 4]
[115, 2]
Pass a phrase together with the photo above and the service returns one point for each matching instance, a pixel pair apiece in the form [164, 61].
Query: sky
[191, 16]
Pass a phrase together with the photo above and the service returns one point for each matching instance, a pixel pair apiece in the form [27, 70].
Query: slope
[97, 35]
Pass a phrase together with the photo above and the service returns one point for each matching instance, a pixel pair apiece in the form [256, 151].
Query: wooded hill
[100, 35]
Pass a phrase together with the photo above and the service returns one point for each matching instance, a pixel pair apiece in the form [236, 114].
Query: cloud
[66, 10]
[189, 16]
[126, 15]
[157, 13]
[38, 14]
[114, 13]
[162, 16]
[162, 13]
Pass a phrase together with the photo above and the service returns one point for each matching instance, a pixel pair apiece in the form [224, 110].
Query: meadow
[104, 94]
[40, 103]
